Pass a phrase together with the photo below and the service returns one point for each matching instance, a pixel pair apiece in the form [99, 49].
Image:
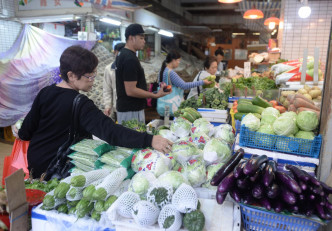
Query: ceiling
[197, 16]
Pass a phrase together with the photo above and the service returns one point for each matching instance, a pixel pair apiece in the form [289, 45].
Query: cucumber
[259, 101]
[238, 116]
[244, 101]
[246, 108]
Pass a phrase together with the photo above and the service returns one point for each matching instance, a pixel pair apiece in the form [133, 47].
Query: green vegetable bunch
[135, 125]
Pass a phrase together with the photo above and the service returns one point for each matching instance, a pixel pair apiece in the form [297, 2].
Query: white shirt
[109, 88]
[200, 76]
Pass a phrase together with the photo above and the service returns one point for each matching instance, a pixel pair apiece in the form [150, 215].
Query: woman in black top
[48, 122]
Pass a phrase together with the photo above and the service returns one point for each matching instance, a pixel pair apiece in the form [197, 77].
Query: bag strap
[169, 78]
[198, 90]
[73, 130]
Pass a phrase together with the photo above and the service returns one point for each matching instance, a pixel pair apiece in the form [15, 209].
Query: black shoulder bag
[60, 165]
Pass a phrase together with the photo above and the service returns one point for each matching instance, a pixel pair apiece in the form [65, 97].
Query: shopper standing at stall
[109, 85]
[131, 85]
[48, 122]
[169, 76]
[210, 68]
[220, 57]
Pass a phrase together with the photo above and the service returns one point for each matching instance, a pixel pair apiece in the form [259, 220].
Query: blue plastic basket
[237, 126]
[302, 147]
[256, 219]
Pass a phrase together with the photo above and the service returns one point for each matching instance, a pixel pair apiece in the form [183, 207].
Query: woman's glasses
[91, 78]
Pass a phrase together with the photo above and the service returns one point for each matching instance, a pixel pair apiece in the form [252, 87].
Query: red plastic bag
[17, 160]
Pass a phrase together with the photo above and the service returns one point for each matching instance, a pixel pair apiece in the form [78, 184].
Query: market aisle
[5, 150]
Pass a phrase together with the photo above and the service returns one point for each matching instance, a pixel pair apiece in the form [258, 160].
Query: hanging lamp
[229, 1]
[271, 22]
[253, 13]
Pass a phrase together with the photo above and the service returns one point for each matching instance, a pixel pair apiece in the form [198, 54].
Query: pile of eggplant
[257, 181]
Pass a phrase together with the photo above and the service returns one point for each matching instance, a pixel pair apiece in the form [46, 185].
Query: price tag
[247, 69]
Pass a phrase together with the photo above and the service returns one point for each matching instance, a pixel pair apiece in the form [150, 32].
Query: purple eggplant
[288, 182]
[253, 164]
[278, 206]
[235, 194]
[298, 173]
[301, 197]
[320, 211]
[288, 196]
[303, 186]
[328, 215]
[312, 179]
[227, 183]
[258, 173]
[227, 167]
[312, 197]
[269, 172]
[321, 200]
[328, 205]
[318, 190]
[266, 203]
[248, 199]
[293, 208]
[257, 191]
[273, 191]
[220, 197]
[308, 209]
[238, 170]
[327, 189]
[243, 183]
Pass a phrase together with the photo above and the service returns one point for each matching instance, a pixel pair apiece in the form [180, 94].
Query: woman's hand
[207, 82]
[161, 91]
[161, 144]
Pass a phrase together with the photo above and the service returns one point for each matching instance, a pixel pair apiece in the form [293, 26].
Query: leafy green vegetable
[169, 221]
[216, 151]
[135, 125]
[305, 135]
[251, 122]
[173, 178]
[284, 126]
[307, 120]
[194, 221]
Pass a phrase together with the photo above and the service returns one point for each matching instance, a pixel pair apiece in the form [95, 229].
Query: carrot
[235, 111]
[274, 103]
[299, 102]
[308, 109]
[281, 109]
[292, 108]
[291, 98]
[303, 97]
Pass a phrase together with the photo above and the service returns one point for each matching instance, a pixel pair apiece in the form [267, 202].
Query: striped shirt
[178, 81]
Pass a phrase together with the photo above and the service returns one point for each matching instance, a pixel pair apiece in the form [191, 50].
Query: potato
[302, 91]
[315, 88]
[282, 99]
[307, 88]
[286, 103]
[319, 98]
[286, 93]
[315, 93]
[308, 96]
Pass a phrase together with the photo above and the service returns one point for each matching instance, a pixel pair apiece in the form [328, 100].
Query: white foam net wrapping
[160, 194]
[78, 194]
[124, 204]
[57, 201]
[94, 175]
[141, 183]
[112, 182]
[145, 213]
[185, 199]
[122, 188]
[167, 214]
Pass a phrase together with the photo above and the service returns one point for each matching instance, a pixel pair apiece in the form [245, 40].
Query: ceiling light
[304, 11]
[229, 1]
[165, 33]
[51, 18]
[271, 22]
[111, 21]
[234, 34]
[256, 33]
[253, 14]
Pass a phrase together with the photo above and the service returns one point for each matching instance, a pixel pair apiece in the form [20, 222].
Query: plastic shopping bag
[17, 160]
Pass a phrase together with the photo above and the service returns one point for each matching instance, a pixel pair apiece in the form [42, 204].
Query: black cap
[119, 46]
[134, 29]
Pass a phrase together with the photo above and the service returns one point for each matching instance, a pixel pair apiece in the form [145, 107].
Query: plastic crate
[237, 126]
[256, 219]
[302, 147]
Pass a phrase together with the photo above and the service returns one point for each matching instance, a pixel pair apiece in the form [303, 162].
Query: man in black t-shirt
[131, 85]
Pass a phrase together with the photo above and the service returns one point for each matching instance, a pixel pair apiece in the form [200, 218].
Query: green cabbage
[199, 139]
[290, 114]
[307, 120]
[194, 170]
[156, 163]
[305, 135]
[141, 182]
[268, 119]
[183, 151]
[216, 151]
[181, 127]
[251, 122]
[265, 141]
[210, 172]
[225, 133]
[139, 157]
[284, 126]
[270, 111]
[167, 134]
[202, 126]
[173, 178]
